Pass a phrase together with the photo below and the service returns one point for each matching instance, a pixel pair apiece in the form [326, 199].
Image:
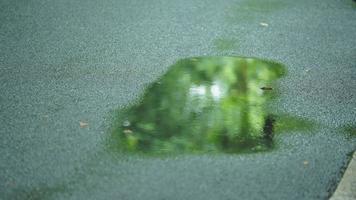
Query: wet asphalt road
[66, 62]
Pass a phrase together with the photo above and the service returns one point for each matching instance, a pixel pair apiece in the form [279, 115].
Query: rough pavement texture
[66, 62]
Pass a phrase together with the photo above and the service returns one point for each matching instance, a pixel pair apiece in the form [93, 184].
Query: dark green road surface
[66, 62]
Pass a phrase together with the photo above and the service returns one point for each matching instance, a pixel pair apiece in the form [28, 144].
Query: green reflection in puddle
[204, 105]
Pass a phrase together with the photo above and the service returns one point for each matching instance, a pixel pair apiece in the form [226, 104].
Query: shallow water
[206, 105]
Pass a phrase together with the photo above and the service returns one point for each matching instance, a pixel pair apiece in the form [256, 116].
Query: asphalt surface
[66, 62]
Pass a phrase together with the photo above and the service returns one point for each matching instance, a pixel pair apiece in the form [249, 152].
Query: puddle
[204, 105]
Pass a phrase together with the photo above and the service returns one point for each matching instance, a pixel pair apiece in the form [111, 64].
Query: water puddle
[204, 105]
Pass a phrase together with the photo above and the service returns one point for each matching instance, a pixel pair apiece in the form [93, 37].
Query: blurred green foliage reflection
[204, 104]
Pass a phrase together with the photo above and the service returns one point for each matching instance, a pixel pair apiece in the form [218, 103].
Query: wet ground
[204, 105]
[67, 67]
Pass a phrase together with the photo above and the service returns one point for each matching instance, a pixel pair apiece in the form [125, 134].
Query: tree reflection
[205, 104]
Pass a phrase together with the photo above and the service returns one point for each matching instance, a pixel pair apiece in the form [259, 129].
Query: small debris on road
[83, 124]
[266, 88]
[264, 24]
